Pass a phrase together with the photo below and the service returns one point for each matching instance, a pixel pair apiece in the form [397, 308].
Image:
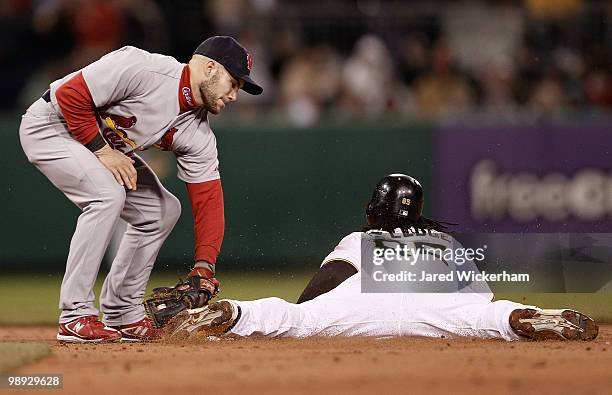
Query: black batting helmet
[397, 199]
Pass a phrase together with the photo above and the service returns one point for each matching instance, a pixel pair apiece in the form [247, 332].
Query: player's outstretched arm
[328, 277]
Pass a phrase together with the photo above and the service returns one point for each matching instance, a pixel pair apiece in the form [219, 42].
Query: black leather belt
[47, 96]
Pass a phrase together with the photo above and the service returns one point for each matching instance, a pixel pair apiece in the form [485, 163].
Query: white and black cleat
[540, 324]
[215, 319]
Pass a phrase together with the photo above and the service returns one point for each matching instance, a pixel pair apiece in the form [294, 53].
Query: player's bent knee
[112, 199]
[163, 218]
[171, 211]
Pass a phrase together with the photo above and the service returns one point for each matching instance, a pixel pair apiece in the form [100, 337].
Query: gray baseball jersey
[136, 95]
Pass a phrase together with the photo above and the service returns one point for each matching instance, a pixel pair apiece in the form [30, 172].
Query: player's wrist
[202, 269]
[97, 144]
[104, 150]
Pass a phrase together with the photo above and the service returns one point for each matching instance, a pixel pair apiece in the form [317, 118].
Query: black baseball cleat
[212, 320]
[540, 324]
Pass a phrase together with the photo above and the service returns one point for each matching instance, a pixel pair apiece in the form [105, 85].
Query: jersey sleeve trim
[198, 180]
[325, 262]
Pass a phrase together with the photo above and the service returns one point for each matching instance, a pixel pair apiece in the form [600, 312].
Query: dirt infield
[326, 365]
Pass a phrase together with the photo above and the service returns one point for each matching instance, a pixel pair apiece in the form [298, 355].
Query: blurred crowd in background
[342, 59]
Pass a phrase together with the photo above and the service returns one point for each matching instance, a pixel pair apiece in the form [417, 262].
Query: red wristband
[201, 272]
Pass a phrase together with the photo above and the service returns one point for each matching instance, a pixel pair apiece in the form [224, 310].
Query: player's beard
[209, 96]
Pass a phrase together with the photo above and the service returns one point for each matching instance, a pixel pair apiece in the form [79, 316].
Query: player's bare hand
[120, 165]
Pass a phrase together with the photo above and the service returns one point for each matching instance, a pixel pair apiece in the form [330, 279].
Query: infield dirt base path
[325, 365]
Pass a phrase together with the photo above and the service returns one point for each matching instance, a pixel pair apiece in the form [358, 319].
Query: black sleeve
[327, 278]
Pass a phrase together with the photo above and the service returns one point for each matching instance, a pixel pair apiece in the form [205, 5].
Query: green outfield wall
[290, 194]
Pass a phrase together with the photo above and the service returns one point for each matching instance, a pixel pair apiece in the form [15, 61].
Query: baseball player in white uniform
[333, 303]
[85, 134]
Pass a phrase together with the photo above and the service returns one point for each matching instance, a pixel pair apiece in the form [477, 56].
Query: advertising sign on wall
[525, 179]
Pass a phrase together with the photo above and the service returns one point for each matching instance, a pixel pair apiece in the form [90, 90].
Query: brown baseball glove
[166, 302]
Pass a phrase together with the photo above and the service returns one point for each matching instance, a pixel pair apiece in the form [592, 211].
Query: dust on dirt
[326, 365]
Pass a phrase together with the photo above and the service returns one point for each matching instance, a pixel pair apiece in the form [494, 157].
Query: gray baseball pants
[151, 212]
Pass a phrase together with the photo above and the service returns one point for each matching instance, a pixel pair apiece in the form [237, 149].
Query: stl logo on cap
[249, 61]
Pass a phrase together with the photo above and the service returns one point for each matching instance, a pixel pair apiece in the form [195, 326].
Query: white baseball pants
[345, 311]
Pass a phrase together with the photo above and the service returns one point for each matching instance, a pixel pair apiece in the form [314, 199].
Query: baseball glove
[166, 302]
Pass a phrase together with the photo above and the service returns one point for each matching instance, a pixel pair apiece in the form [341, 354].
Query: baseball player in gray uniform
[333, 303]
[85, 134]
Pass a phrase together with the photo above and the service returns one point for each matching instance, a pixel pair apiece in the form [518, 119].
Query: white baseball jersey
[350, 250]
[135, 94]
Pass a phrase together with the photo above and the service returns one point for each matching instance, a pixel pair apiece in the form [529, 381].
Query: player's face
[219, 90]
